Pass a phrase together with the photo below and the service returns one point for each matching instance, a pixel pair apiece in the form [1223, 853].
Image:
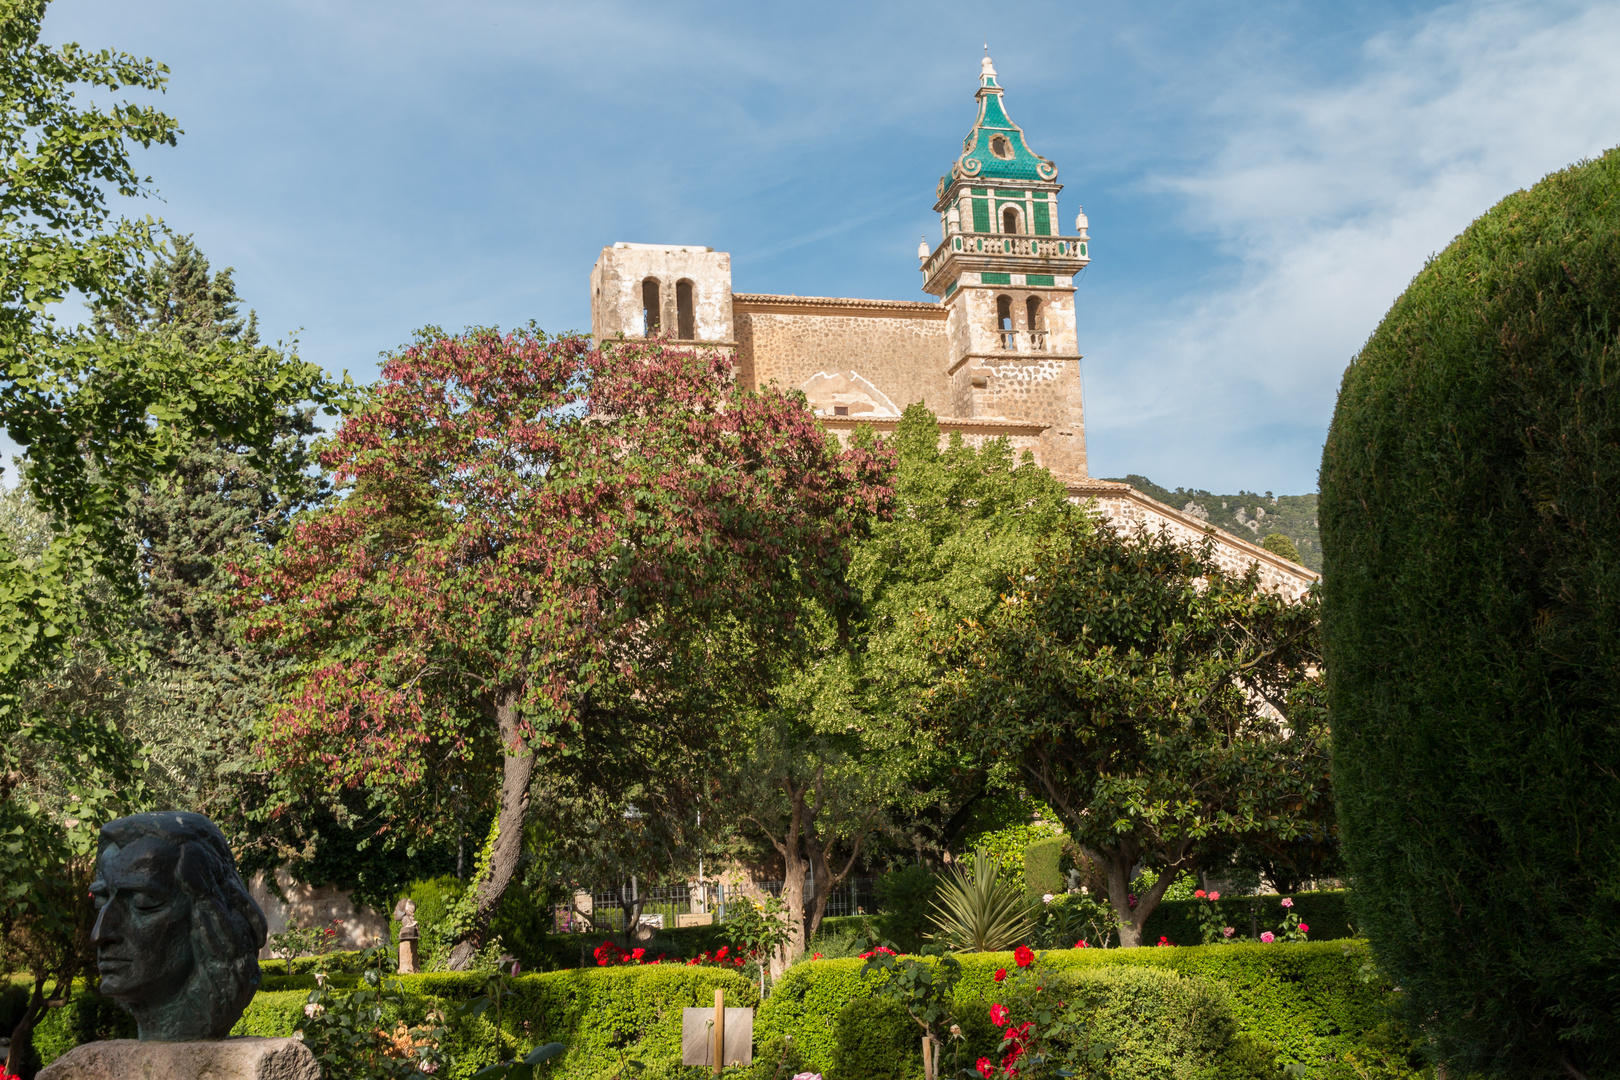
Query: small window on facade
[1003, 313]
[840, 410]
[685, 323]
[1034, 306]
[651, 303]
[1009, 220]
[1001, 147]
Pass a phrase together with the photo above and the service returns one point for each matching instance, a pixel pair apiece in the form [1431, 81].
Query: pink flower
[1214, 896]
[1227, 931]
[1304, 928]
[1001, 974]
[516, 967]
[1023, 956]
[1287, 902]
[1268, 937]
[986, 1067]
[998, 1014]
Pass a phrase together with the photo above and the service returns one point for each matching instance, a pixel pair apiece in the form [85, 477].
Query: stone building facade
[995, 354]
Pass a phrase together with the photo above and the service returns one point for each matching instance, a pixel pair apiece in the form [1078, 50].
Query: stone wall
[1127, 509]
[899, 346]
[306, 905]
[616, 290]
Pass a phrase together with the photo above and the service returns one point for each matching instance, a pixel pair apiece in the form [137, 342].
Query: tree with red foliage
[548, 555]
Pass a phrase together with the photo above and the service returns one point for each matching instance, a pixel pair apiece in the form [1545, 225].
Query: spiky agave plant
[977, 912]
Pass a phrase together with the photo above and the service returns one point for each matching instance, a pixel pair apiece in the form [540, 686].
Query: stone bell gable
[993, 354]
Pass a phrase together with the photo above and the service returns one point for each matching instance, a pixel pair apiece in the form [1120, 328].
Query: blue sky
[1262, 179]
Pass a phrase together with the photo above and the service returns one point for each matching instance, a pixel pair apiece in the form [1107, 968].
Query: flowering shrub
[1042, 1033]
[1211, 918]
[722, 957]
[296, 941]
[343, 1029]
[1214, 930]
[1072, 916]
[608, 954]
[923, 990]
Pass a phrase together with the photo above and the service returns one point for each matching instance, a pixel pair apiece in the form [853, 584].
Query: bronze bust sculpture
[177, 936]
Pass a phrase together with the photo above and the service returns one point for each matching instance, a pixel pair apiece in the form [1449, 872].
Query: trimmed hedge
[598, 1013]
[1471, 626]
[1327, 913]
[1043, 872]
[1314, 1006]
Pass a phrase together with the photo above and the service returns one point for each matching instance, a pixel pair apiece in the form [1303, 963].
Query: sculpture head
[177, 936]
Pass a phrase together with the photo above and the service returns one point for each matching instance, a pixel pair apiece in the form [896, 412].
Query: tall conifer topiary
[1470, 515]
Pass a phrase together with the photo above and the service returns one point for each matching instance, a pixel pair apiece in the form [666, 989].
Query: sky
[1262, 179]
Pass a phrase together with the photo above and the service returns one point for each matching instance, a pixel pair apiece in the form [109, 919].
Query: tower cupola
[1005, 274]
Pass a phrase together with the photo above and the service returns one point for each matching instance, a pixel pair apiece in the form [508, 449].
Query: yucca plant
[977, 912]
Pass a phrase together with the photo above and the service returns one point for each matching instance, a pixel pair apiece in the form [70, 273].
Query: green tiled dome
[980, 157]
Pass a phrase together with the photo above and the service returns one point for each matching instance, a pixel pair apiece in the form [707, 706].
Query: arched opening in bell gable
[1037, 322]
[1010, 220]
[651, 305]
[1004, 322]
[685, 308]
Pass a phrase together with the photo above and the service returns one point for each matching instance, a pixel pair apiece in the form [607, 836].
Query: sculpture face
[176, 934]
[142, 933]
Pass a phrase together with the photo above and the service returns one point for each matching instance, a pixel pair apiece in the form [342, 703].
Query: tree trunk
[794, 865]
[517, 768]
[1118, 864]
[821, 858]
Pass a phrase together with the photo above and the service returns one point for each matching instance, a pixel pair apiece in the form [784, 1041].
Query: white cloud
[1327, 200]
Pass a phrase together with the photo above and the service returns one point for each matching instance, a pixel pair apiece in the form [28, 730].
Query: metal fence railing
[662, 906]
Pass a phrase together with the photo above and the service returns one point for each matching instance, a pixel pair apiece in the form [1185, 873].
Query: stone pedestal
[228, 1059]
[407, 956]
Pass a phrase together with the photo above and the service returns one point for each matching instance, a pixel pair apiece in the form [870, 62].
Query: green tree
[96, 415]
[1160, 705]
[549, 556]
[839, 751]
[1471, 598]
[220, 503]
[1278, 544]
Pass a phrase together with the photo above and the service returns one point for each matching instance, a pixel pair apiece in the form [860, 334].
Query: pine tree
[194, 706]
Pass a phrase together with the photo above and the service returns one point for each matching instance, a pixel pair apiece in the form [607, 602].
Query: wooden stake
[928, 1058]
[719, 1029]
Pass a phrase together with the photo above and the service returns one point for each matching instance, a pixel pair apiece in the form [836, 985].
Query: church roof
[995, 149]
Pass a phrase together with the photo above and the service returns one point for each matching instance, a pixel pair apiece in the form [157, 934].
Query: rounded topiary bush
[1470, 517]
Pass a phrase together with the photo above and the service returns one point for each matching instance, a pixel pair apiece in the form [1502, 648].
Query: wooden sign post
[719, 1029]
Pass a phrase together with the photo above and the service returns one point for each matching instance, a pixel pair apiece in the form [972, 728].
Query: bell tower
[1006, 276]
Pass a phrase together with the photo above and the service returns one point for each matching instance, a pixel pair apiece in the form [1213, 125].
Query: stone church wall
[900, 346]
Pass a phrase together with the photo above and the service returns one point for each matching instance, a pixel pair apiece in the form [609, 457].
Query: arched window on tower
[1037, 323]
[685, 306]
[1004, 323]
[651, 304]
[1009, 220]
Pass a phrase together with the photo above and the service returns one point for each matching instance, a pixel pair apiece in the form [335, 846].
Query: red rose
[1199, 894]
[1023, 956]
[986, 1067]
[1001, 974]
[998, 1014]
[1081, 944]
